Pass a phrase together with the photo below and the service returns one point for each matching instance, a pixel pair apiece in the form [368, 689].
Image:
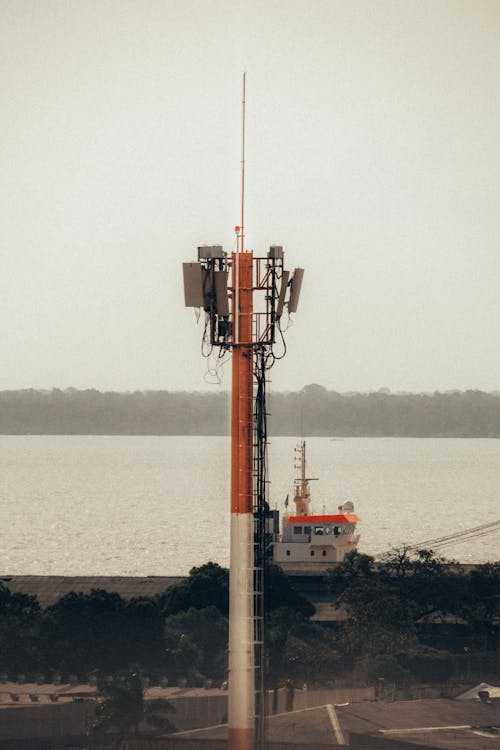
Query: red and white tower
[241, 698]
[244, 297]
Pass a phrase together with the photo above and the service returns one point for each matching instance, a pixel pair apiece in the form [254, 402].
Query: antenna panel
[281, 299]
[193, 285]
[221, 296]
[298, 275]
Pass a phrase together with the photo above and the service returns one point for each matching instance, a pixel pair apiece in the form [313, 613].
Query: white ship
[310, 542]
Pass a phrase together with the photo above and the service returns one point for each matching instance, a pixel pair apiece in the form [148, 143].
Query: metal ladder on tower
[260, 546]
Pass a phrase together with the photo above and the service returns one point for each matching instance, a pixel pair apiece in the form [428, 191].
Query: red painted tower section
[241, 708]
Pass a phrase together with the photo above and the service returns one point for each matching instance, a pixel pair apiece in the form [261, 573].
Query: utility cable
[454, 537]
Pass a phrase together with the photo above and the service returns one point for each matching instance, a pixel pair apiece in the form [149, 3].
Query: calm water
[159, 505]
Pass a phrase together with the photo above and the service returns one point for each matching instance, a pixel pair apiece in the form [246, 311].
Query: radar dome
[348, 507]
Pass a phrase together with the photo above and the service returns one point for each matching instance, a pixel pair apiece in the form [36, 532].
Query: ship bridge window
[297, 529]
[328, 530]
[307, 530]
[336, 530]
[318, 530]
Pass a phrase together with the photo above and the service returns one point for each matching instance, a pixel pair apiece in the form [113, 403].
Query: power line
[450, 538]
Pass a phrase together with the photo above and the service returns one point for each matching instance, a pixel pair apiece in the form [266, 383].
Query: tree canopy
[184, 632]
[388, 604]
[122, 707]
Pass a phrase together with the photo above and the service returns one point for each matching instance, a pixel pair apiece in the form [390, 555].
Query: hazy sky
[373, 157]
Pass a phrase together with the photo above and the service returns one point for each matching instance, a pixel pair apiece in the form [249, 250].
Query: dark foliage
[427, 664]
[298, 650]
[388, 603]
[206, 586]
[83, 632]
[122, 707]
[281, 593]
[390, 607]
[20, 619]
[196, 644]
[355, 567]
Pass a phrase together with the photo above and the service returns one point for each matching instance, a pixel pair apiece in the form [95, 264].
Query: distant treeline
[311, 411]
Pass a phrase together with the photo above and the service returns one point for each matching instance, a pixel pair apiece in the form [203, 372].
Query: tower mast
[241, 706]
[228, 289]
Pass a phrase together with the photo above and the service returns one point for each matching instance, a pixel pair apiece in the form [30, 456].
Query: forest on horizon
[313, 411]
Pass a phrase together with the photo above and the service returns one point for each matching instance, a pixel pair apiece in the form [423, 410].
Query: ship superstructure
[307, 541]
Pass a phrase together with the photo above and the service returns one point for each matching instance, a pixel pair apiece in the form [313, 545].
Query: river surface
[94, 505]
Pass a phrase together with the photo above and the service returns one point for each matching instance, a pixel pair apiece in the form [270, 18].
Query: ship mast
[302, 498]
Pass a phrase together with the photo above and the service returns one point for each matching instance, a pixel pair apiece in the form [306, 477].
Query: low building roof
[314, 726]
[49, 589]
[440, 723]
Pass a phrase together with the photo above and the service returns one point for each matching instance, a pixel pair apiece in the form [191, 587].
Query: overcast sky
[373, 157]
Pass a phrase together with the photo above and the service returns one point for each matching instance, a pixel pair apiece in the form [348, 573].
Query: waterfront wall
[177, 743]
[45, 721]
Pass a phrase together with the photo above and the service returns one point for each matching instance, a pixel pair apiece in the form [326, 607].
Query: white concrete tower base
[241, 699]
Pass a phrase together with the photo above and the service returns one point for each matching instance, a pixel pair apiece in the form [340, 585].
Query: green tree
[20, 618]
[428, 583]
[427, 664]
[480, 605]
[373, 668]
[122, 707]
[84, 632]
[354, 566]
[206, 586]
[279, 593]
[379, 620]
[143, 634]
[197, 640]
[299, 650]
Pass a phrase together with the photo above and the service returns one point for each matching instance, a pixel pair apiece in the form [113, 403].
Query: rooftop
[430, 724]
[49, 589]
[440, 723]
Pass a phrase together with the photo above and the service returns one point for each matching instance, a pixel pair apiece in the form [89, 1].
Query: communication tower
[243, 298]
